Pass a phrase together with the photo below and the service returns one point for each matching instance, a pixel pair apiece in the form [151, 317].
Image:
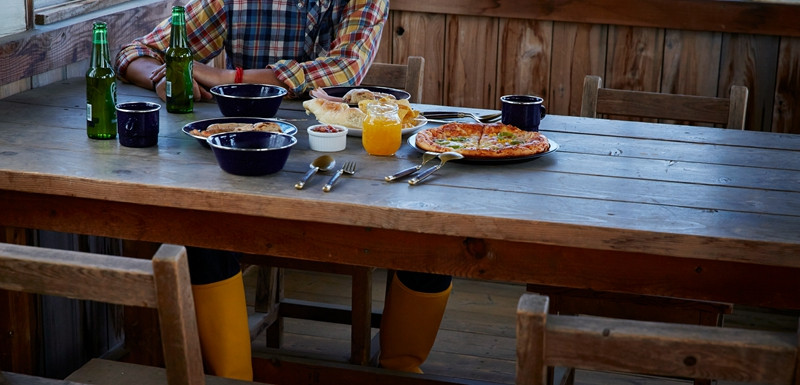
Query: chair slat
[124, 281]
[729, 111]
[643, 347]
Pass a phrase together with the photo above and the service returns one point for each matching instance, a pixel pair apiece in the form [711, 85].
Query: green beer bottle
[180, 97]
[101, 88]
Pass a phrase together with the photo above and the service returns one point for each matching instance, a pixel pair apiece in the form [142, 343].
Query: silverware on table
[443, 158]
[427, 156]
[321, 164]
[486, 118]
[349, 168]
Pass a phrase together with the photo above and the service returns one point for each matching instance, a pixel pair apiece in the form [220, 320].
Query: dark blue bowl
[258, 100]
[251, 153]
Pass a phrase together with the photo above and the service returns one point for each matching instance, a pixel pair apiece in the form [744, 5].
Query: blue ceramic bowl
[258, 100]
[251, 153]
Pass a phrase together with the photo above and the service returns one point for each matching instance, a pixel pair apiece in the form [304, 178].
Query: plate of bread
[352, 95]
[341, 113]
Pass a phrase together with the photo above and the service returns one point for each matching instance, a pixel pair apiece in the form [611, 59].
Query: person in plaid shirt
[298, 45]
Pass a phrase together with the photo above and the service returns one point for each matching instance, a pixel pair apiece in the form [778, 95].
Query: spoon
[322, 164]
[443, 158]
[427, 156]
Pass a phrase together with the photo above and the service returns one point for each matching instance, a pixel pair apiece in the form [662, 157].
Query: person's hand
[159, 74]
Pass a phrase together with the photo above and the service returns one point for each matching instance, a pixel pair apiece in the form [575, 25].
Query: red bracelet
[239, 75]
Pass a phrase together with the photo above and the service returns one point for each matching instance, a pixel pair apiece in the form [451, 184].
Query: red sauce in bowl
[328, 129]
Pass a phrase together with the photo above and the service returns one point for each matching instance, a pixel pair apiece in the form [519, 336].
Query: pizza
[487, 141]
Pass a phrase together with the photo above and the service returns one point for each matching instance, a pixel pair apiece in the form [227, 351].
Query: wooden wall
[477, 51]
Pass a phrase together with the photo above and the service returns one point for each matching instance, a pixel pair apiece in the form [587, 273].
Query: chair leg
[361, 315]
[269, 293]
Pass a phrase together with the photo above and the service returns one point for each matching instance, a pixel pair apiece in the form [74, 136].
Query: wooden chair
[649, 348]
[271, 305]
[162, 283]
[406, 77]
[728, 112]
[598, 100]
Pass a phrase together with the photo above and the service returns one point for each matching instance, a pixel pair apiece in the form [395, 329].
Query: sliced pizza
[488, 141]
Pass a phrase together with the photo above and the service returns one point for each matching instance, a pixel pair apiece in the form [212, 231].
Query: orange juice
[382, 129]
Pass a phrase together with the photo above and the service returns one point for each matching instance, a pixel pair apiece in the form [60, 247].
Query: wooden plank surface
[785, 113]
[470, 64]
[578, 50]
[411, 28]
[524, 58]
[586, 162]
[615, 194]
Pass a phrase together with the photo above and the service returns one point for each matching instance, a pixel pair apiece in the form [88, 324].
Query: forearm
[210, 76]
[140, 71]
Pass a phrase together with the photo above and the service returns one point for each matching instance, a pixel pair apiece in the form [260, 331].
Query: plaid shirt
[308, 43]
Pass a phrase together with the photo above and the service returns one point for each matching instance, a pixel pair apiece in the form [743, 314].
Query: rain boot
[410, 323]
[224, 330]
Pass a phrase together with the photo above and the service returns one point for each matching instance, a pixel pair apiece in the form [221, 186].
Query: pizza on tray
[482, 141]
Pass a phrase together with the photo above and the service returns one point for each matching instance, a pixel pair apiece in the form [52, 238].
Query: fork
[349, 168]
[486, 118]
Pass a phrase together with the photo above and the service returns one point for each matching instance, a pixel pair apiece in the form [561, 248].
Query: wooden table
[629, 207]
[622, 206]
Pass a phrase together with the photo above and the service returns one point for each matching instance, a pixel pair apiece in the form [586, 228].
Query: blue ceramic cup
[522, 111]
[137, 124]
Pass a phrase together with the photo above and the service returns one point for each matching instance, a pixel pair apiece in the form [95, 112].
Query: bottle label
[89, 112]
[169, 89]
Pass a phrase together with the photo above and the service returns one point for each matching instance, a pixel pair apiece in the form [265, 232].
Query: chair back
[728, 112]
[162, 283]
[664, 349]
[407, 77]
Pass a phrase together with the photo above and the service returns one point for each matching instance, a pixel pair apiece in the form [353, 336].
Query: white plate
[421, 121]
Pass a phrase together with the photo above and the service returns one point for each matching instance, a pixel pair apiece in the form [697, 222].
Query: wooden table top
[675, 194]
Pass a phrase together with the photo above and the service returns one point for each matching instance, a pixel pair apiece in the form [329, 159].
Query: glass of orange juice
[382, 134]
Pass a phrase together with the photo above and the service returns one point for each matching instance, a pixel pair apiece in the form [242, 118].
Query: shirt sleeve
[205, 29]
[351, 54]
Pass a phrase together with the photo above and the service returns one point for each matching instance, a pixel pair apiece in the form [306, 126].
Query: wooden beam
[733, 16]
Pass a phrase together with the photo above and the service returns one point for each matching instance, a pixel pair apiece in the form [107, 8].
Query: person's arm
[348, 60]
[142, 61]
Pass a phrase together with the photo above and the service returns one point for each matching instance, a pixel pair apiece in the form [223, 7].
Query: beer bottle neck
[177, 37]
[100, 54]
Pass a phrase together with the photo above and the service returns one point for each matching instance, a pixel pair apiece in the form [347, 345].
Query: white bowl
[327, 141]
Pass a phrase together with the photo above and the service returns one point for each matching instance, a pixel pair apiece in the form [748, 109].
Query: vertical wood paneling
[578, 50]
[751, 60]
[691, 63]
[471, 61]
[19, 318]
[786, 114]
[384, 54]
[634, 58]
[422, 34]
[525, 52]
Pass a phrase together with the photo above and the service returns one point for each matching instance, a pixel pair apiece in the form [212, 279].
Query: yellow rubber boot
[223, 328]
[409, 326]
